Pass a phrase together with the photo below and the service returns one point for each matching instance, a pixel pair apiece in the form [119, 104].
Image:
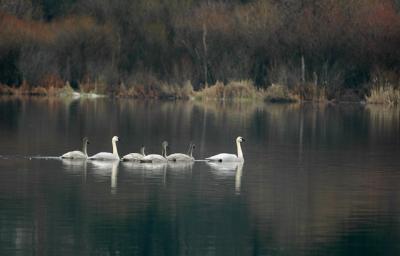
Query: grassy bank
[234, 90]
[49, 91]
[153, 89]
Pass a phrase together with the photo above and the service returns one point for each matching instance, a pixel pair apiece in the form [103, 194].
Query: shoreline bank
[233, 91]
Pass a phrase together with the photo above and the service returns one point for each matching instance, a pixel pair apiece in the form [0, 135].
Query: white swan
[223, 157]
[78, 154]
[155, 158]
[179, 157]
[134, 156]
[108, 156]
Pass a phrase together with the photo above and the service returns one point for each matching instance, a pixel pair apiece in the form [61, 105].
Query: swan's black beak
[88, 142]
[243, 139]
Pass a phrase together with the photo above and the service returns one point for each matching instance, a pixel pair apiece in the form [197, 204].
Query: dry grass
[6, 90]
[96, 87]
[383, 89]
[151, 88]
[155, 90]
[311, 92]
[387, 95]
[280, 93]
[176, 91]
[26, 90]
[244, 89]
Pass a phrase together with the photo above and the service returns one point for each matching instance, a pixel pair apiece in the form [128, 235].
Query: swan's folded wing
[74, 155]
[153, 158]
[132, 157]
[179, 157]
[104, 156]
[223, 157]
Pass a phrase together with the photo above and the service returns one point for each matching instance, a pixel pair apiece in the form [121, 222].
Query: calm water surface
[317, 180]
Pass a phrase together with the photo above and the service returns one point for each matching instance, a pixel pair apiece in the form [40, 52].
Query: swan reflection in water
[151, 169]
[228, 169]
[180, 166]
[158, 167]
[103, 168]
[155, 170]
[73, 164]
[132, 166]
[76, 166]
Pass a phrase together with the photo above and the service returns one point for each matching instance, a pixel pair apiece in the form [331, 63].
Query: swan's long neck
[164, 151]
[142, 151]
[239, 150]
[84, 148]
[191, 151]
[115, 150]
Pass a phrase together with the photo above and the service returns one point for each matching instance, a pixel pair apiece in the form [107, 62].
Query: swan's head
[115, 138]
[240, 139]
[165, 144]
[85, 140]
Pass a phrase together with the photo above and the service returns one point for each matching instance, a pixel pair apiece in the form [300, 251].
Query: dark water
[317, 180]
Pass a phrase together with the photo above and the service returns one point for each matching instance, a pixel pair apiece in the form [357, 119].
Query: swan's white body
[134, 156]
[224, 157]
[155, 158]
[78, 154]
[179, 157]
[223, 168]
[74, 155]
[106, 156]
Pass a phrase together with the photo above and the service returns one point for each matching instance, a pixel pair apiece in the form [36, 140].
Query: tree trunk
[303, 70]
[205, 55]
